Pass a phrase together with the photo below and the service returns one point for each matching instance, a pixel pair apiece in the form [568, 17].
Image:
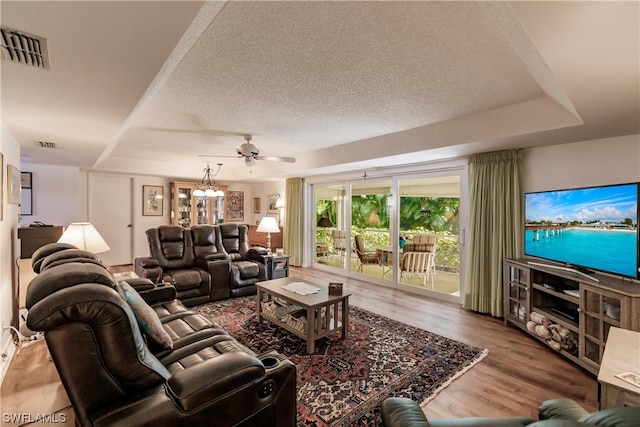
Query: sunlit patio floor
[445, 282]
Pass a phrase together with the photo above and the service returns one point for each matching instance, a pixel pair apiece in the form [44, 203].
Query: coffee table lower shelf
[329, 313]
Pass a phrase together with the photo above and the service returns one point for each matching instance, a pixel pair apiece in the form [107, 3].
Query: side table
[621, 354]
[277, 266]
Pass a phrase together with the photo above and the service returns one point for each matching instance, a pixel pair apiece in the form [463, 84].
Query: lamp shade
[84, 236]
[325, 222]
[268, 224]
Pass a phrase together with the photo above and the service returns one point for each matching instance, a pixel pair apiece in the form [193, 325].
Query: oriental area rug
[344, 382]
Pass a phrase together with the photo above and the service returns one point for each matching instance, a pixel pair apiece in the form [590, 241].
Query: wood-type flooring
[514, 379]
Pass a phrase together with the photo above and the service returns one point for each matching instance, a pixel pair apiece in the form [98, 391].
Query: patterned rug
[344, 382]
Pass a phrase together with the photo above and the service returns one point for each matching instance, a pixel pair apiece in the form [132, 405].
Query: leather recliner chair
[114, 378]
[245, 270]
[403, 412]
[191, 261]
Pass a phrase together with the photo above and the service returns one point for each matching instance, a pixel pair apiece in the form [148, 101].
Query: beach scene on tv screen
[591, 227]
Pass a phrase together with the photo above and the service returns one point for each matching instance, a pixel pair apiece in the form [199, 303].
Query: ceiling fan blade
[276, 159]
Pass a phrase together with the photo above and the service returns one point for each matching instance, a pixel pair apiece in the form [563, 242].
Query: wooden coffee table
[328, 313]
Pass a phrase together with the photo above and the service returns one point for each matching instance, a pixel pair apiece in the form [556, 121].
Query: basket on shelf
[273, 310]
[298, 321]
[276, 310]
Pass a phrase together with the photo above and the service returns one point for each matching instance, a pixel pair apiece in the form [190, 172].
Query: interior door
[110, 211]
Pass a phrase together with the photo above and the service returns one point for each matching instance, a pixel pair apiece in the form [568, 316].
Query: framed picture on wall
[272, 201]
[152, 200]
[27, 195]
[235, 207]
[13, 185]
[256, 205]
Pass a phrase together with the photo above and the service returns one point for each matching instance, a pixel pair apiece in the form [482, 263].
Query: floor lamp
[325, 223]
[268, 225]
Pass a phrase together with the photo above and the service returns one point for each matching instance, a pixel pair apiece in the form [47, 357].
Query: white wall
[582, 164]
[262, 191]
[55, 191]
[9, 249]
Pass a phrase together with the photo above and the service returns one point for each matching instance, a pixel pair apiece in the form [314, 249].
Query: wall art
[152, 200]
[235, 206]
[26, 205]
[13, 185]
[272, 200]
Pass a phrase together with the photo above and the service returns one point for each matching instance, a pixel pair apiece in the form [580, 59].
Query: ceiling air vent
[24, 48]
[45, 144]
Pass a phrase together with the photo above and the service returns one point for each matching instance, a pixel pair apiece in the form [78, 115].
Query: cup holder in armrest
[270, 362]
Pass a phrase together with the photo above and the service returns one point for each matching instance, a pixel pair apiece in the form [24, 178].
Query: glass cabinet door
[181, 204]
[184, 207]
[217, 204]
[203, 205]
[599, 312]
[517, 295]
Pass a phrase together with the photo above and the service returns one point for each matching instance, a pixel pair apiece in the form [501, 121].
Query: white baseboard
[8, 349]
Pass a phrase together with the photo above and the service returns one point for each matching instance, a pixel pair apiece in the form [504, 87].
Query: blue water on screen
[613, 251]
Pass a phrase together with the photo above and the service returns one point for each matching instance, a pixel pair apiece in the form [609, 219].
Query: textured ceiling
[147, 87]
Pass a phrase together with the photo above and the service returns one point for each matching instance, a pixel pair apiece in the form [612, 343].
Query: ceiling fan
[250, 153]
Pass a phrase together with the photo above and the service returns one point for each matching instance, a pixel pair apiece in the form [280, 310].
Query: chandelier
[207, 187]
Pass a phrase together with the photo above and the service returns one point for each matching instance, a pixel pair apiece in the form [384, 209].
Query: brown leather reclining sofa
[204, 263]
[134, 358]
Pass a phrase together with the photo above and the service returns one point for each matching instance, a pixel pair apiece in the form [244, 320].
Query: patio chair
[365, 256]
[420, 264]
[322, 251]
[418, 258]
[340, 243]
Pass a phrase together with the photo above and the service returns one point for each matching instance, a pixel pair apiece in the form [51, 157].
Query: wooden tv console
[587, 305]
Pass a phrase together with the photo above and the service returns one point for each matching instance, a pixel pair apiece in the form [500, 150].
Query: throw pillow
[147, 318]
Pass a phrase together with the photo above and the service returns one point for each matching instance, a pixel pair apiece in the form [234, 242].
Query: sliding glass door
[331, 243]
[404, 230]
[430, 223]
[371, 221]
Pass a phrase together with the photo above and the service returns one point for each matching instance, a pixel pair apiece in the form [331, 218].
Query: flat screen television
[587, 229]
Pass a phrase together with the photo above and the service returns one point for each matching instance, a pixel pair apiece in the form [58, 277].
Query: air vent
[45, 144]
[24, 48]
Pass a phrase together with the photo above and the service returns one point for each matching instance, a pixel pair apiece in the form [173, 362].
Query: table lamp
[268, 225]
[84, 236]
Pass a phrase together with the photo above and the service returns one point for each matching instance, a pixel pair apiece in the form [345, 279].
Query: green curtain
[294, 213]
[495, 230]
